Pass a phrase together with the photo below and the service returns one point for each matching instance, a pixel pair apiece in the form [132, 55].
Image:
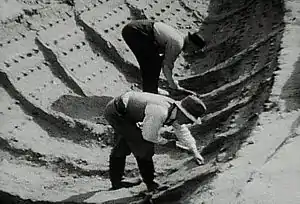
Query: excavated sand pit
[62, 61]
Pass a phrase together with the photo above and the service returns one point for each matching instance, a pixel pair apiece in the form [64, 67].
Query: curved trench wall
[54, 127]
[234, 77]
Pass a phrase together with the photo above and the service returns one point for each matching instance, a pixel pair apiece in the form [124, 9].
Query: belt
[119, 105]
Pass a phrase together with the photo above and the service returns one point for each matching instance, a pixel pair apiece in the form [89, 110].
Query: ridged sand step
[107, 35]
[85, 66]
[22, 131]
[44, 147]
[20, 174]
[199, 82]
[25, 66]
[37, 83]
[226, 143]
[237, 33]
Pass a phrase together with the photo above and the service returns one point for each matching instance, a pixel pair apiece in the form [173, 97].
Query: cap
[192, 107]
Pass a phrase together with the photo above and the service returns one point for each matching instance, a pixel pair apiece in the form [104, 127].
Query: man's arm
[185, 138]
[155, 116]
[172, 51]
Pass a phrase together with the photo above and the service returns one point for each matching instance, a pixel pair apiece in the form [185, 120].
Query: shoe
[130, 182]
[116, 172]
[126, 183]
[152, 186]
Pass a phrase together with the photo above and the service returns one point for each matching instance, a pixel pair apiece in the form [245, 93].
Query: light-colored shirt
[150, 112]
[155, 117]
[171, 40]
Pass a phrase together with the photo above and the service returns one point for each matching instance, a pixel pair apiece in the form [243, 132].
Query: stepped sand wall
[62, 61]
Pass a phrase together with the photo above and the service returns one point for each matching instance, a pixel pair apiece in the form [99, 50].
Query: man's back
[136, 103]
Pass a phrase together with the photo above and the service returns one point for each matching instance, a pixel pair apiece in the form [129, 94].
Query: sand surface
[61, 61]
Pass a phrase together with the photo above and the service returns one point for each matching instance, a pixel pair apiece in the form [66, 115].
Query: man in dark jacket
[156, 46]
[136, 118]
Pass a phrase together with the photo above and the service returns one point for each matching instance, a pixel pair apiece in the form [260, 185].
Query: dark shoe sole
[127, 183]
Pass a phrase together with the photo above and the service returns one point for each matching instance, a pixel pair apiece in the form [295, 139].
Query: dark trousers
[146, 51]
[128, 140]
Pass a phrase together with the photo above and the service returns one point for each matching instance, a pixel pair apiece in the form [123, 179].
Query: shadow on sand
[291, 90]
[88, 108]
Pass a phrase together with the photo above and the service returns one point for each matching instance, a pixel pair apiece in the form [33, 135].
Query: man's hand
[199, 159]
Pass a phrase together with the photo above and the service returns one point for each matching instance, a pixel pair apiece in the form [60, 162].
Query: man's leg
[147, 56]
[151, 72]
[130, 141]
[120, 150]
[146, 168]
[143, 152]
[117, 162]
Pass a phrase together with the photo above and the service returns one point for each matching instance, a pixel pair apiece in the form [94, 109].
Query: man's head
[196, 39]
[190, 109]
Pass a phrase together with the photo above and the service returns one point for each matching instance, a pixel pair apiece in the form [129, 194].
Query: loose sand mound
[62, 61]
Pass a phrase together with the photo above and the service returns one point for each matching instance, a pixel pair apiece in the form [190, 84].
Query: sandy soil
[63, 60]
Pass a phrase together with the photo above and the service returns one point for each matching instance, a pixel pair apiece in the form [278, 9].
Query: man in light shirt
[136, 118]
[156, 46]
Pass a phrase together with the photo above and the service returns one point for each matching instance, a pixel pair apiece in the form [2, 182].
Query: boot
[116, 171]
[146, 168]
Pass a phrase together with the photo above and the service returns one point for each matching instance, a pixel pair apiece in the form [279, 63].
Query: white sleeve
[185, 138]
[154, 118]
